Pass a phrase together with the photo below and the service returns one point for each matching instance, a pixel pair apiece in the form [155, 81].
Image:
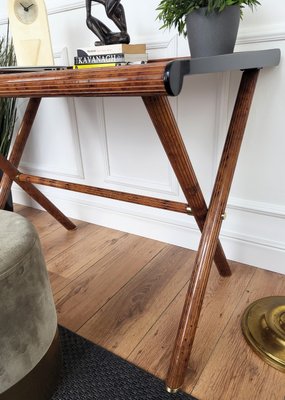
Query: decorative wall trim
[167, 48]
[221, 120]
[261, 34]
[254, 240]
[112, 180]
[61, 58]
[76, 5]
[255, 207]
[163, 44]
[53, 8]
[171, 188]
[165, 226]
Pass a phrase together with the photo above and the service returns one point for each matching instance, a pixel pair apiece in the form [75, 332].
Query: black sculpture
[115, 11]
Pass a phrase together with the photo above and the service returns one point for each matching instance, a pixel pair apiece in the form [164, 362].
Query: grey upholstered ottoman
[29, 343]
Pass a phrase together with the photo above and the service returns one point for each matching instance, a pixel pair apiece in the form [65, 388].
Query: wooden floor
[126, 292]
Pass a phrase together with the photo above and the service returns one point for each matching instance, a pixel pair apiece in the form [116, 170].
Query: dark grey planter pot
[9, 202]
[211, 34]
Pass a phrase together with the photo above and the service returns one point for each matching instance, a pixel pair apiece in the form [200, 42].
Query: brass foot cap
[169, 390]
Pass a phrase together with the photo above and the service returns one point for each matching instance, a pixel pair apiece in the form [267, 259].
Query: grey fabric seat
[29, 343]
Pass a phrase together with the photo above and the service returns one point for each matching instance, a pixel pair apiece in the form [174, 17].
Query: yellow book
[104, 65]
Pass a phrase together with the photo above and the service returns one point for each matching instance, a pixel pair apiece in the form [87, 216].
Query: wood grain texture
[60, 240]
[46, 224]
[108, 193]
[132, 255]
[209, 221]
[234, 370]
[167, 129]
[130, 80]
[35, 194]
[18, 147]
[223, 367]
[154, 351]
[67, 264]
[209, 240]
[148, 293]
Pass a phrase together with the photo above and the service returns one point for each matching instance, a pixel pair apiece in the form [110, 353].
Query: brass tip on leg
[169, 390]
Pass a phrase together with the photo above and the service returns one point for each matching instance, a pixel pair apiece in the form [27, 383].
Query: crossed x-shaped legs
[209, 220]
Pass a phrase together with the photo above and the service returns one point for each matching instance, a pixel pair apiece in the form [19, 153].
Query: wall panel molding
[61, 58]
[266, 33]
[53, 7]
[56, 7]
[112, 179]
[164, 226]
[255, 207]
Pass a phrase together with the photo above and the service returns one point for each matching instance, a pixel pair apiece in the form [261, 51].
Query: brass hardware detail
[224, 216]
[263, 325]
[169, 390]
[189, 210]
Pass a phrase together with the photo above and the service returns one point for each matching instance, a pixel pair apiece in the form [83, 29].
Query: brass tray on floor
[263, 325]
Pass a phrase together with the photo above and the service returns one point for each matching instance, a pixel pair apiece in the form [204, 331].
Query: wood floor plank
[58, 281]
[126, 293]
[154, 351]
[44, 222]
[18, 207]
[74, 262]
[122, 323]
[234, 371]
[81, 299]
[61, 240]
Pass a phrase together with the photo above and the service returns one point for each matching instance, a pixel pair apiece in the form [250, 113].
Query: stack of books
[110, 55]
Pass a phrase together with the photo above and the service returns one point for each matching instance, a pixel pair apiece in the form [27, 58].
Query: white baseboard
[165, 226]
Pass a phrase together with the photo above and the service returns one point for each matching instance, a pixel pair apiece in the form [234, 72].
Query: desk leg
[18, 147]
[165, 124]
[210, 234]
[10, 171]
[35, 194]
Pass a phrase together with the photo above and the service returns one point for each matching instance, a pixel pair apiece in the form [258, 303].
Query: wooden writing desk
[153, 82]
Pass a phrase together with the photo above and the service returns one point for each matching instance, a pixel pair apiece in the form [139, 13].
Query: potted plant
[8, 109]
[211, 25]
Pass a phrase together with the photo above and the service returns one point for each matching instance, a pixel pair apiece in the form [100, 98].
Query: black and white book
[111, 58]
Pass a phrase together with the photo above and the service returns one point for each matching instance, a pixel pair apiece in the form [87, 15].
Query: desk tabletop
[157, 77]
[177, 69]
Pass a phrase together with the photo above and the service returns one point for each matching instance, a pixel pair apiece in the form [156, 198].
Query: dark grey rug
[90, 372]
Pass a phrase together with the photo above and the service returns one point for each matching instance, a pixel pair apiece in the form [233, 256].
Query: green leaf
[172, 13]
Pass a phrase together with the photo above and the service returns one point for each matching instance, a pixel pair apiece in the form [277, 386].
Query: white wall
[111, 143]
